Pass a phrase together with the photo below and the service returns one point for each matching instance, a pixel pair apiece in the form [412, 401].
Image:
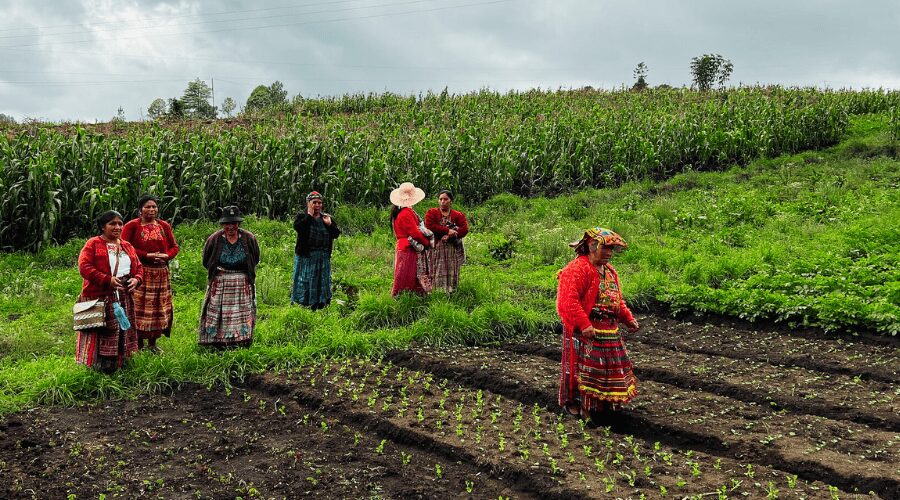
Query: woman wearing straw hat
[410, 263]
[230, 256]
[596, 375]
[316, 231]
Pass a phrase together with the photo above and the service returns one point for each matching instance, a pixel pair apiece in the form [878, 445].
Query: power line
[89, 30]
[305, 23]
[181, 16]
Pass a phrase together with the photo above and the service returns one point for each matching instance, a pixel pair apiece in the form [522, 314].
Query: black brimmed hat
[231, 214]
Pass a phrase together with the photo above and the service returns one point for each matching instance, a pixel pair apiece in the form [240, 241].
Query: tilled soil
[723, 411]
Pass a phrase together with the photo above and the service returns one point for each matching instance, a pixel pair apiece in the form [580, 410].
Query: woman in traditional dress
[448, 255]
[230, 256]
[410, 262]
[111, 270]
[316, 231]
[597, 377]
[155, 245]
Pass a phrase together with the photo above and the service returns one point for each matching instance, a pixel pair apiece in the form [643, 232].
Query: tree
[120, 116]
[176, 108]
[640, 75]
[228, 106]
[277, 94]
[7, 120]
[259, 98]
[196, 100]
[710, 68]
[157, 109]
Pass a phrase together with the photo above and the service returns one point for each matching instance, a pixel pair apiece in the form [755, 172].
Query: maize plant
[54, 179]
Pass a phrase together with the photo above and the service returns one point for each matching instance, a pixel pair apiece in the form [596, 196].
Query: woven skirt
[312, 279]
[107, 348]
[229, 311]
[444, 261]
[596, 371]
[153, 304]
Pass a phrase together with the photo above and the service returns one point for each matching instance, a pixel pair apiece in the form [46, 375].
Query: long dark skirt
[312, 279]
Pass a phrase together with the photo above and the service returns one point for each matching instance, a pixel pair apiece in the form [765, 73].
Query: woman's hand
[588, 332]
[452, 233]
[632, 326]
[133, 283]
[326, 219]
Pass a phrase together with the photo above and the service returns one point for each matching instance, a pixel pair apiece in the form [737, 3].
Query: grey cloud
[517, 44]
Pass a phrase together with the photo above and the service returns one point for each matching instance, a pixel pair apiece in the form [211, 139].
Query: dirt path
[723, 410]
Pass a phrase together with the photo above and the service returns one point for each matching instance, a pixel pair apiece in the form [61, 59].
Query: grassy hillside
[809, 239]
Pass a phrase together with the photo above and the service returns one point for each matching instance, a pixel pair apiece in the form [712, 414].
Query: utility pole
[213, 88]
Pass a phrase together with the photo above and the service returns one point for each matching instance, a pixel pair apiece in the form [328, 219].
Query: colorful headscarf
[601, 235]
[314, 195]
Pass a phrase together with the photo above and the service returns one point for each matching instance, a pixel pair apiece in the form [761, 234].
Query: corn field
[54, 179]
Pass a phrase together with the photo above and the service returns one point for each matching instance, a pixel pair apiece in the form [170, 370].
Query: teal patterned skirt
[312, 279]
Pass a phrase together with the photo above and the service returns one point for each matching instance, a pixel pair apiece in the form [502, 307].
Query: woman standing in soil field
[410, 261]
[230, 256]
[316, 231]
[596, 376]
[155, 245]
[449, 227]
[111, 271]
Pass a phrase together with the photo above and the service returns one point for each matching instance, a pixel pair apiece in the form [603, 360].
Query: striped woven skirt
[229, 311]
[312, 279]
[153, 304]
[444, 261]
[107, 348]
[596, 371]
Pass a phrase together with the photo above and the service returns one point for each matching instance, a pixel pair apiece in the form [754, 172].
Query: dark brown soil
[723, 409]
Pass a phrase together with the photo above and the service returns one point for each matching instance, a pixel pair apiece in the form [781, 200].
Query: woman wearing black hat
[230, 256]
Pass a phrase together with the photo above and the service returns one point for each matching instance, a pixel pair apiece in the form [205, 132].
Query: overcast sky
[82, 59]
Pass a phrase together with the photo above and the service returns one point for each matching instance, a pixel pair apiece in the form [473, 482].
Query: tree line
[196, 102]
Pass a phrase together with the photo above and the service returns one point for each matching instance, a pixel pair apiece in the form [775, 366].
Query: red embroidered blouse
[407, 224]
[433, 222]
[150, 238]
[581, 289]
[93, 264]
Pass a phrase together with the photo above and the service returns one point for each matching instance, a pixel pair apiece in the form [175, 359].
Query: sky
[80, 60]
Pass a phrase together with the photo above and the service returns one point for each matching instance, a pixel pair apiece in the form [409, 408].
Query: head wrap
[313, 195]
[601, 235]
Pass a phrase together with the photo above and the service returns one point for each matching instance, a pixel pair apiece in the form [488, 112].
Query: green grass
[807, 239]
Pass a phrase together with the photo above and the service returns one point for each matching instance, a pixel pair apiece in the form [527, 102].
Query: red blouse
[407, 224]
[433, 222]
[580, 291]
[93, 264]
[150, 238]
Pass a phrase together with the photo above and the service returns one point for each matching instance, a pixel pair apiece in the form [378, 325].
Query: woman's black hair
[395, 211]
[447, 192]
[104, 218]
[144, 199]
